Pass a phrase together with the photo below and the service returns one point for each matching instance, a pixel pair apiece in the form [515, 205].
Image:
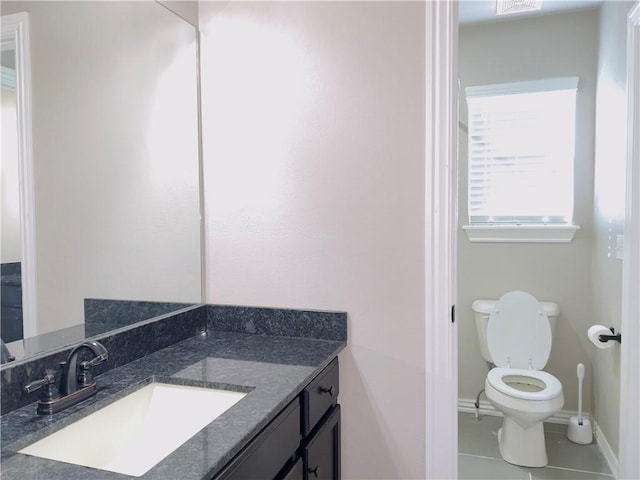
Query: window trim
[520, 233]
[530, 86]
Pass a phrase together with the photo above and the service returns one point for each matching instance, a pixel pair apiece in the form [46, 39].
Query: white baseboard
[486, 408]
[606, 450]
[467, 405]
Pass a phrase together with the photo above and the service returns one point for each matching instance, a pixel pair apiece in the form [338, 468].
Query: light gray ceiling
[472, 11]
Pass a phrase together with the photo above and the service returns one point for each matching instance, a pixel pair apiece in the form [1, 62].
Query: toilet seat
[519, 333]
[550, 385]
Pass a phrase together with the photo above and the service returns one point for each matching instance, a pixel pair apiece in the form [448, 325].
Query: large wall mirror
[100, 164]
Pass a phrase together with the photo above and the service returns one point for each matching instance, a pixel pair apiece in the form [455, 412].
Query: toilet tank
[483, 308]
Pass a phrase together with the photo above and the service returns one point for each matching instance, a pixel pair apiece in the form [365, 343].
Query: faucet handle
[85, 378]
[49, 378]
[48, 382]
[95, 361]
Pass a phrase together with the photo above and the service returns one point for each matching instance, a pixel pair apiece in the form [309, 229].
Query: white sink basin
[133, 434]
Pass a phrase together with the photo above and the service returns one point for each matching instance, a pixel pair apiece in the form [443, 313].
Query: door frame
[629, 440]
[441, 149]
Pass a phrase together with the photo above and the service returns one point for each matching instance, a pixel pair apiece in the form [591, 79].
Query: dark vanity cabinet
[294, 472]
[301, 443]
[321, 450]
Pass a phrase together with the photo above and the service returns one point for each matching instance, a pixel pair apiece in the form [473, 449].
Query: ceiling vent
[504, 7]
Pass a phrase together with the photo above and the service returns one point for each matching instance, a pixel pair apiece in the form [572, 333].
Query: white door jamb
[441, 147]
[629, 442]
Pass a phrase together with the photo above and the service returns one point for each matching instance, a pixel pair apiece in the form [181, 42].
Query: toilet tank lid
[550, 309]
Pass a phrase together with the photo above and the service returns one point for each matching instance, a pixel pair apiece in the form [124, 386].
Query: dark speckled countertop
[275, 368]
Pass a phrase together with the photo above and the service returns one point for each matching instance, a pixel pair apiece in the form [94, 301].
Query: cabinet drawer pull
[327, 390]
[314, 471]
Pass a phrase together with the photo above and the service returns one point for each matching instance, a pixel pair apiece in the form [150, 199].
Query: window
[521, 155]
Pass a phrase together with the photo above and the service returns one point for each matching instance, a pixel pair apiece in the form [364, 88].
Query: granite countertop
[275, 370]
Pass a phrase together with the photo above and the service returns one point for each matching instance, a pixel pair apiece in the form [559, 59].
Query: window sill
[521, 233]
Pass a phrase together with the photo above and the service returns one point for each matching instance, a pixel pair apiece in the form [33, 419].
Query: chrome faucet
[74, 386]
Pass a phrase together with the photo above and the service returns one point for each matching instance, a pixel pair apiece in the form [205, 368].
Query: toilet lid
[519, 333]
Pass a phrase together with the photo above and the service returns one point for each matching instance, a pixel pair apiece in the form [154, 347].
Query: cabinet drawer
[321, 452]
[265, 456]
[319, 396]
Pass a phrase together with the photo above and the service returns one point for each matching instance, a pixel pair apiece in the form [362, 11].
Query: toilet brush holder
[580, 430]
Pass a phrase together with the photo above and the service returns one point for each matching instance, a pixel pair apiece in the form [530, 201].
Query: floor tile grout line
[591, 472]
[478, 456]
[581, 471]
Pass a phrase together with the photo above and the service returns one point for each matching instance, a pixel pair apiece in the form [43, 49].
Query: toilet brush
[579, 430]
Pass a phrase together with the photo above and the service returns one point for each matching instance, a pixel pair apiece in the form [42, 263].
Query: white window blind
[521, 152]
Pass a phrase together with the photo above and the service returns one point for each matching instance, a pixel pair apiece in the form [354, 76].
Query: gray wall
[10, 236]
[187, 9]
[541, 47]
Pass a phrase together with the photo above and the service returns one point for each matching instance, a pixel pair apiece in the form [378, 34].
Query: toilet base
[522, 446]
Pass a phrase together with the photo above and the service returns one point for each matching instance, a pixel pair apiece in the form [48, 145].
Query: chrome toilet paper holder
[614, 336]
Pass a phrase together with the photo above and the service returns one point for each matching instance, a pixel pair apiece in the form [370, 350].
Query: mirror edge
[15, 32]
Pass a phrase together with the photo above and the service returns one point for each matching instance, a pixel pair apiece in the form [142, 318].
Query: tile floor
[479, 457]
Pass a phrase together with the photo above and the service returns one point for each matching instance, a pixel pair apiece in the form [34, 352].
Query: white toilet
[515, 335]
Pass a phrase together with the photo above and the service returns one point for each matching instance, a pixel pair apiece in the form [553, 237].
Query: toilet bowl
[518, 337]
[526, 398]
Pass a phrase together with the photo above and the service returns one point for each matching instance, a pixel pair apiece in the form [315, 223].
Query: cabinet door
[267, 454]
[296, 472]
[322, 450]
